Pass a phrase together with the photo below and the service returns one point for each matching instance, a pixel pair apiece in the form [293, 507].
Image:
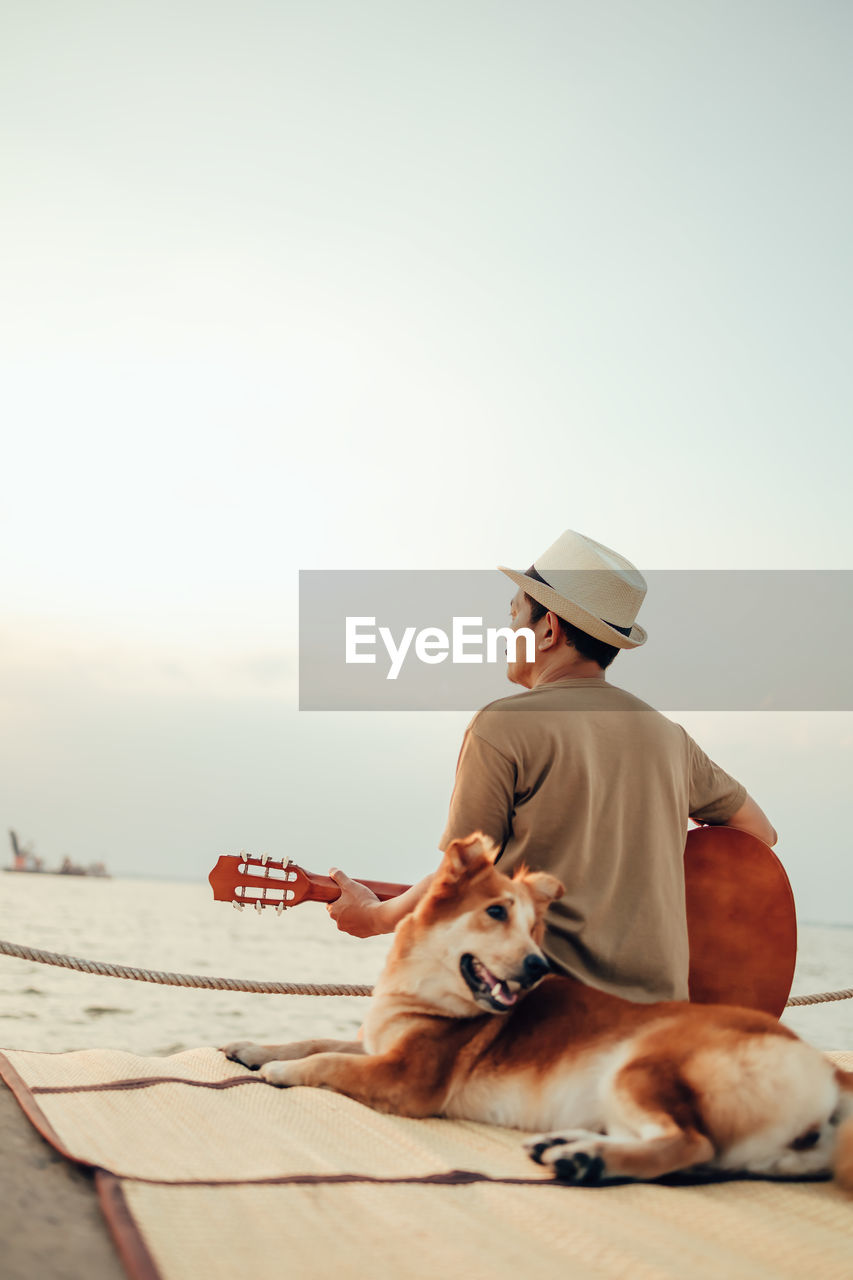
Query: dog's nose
[535, 967]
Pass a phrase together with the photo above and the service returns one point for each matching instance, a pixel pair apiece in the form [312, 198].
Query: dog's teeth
[496, 990]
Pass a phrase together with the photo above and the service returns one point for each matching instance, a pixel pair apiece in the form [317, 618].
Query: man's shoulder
[503, 710]
[525, 711]
[580, 694]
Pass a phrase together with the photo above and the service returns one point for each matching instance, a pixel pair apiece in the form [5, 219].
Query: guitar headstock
[270, 882]
[259, 882]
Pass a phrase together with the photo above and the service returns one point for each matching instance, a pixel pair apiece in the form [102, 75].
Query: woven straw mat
[205, 1170]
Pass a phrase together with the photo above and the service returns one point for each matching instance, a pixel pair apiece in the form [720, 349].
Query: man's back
[580, 778]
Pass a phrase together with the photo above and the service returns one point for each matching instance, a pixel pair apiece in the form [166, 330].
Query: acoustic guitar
[741, 921]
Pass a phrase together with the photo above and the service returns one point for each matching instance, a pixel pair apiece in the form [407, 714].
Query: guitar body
[741, 921]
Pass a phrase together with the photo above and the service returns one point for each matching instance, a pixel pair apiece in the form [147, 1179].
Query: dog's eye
[496, 911]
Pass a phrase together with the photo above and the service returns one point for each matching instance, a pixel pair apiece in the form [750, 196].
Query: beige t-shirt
[581, 779]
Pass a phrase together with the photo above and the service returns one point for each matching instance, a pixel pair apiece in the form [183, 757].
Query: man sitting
[581, 779]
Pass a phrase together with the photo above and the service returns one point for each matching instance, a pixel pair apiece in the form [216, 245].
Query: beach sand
[51, 1225]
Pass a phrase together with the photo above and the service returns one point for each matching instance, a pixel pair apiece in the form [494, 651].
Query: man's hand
[359, 912]
[356, 911]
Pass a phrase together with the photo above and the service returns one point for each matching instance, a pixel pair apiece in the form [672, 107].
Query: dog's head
[477, 933]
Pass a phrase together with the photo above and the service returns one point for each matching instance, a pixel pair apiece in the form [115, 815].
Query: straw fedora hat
[595, 589]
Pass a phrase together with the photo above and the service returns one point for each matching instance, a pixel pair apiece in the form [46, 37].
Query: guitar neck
[325, 889]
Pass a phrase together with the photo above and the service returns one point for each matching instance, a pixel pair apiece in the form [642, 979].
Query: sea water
[178, 927]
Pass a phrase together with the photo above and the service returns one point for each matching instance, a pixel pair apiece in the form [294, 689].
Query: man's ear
[555, 627]
[462, 855]
[543, 888]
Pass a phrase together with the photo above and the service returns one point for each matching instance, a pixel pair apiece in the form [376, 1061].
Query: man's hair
[586, 645]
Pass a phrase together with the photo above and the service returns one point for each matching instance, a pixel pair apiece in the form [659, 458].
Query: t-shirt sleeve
[483, 793]
[714, 794]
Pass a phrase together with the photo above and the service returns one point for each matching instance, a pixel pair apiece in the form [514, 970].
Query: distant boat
[25, 861]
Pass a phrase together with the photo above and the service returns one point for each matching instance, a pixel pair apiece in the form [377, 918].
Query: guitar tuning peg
[279, 908]
[243, 855]
[265, 857]
[239, 905]
[289, 862]
[259, 906]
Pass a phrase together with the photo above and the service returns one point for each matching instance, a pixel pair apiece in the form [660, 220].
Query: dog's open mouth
[485, 986]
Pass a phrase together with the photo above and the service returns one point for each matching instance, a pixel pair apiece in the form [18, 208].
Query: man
[582, 779]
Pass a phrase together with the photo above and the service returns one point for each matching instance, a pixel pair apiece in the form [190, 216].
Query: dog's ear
[544, 888]
[462, 855]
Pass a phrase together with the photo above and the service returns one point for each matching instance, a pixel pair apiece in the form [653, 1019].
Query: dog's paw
[282, 1074]
[580, 1168]
[575, 1156]
[543, 1142]
[246, 1052]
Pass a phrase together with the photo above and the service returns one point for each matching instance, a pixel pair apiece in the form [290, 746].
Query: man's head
[580, 599]
[560, 648]
[589, 593]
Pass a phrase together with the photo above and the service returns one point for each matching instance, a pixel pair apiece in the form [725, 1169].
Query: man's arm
[359, 912]
[482, 800]
[752, 819]
[713, 792]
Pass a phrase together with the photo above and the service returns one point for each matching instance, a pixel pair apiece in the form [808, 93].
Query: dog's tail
[843, 1164]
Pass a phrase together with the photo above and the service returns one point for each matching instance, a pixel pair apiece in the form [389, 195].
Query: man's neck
[581, 669]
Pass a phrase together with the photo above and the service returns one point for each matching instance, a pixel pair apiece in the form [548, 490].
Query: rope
[821, 997]
[183, 979]
[259, 988]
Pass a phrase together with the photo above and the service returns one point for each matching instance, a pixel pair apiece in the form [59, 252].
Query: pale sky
[381, 285]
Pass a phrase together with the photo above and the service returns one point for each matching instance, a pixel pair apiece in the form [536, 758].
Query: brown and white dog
[462, 1024]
